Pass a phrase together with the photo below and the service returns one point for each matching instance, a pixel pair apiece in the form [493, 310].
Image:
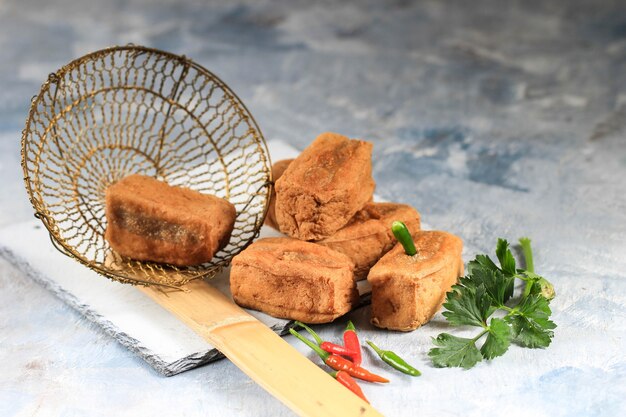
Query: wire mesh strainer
[133, 109]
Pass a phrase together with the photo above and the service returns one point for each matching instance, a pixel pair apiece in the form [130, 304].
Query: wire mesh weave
[132, 109]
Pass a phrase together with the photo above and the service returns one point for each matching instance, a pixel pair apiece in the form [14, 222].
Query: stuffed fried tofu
[149, 220]
[367, 237]
[292, 279]
[407, 291]
[278, 169]
[324, 187]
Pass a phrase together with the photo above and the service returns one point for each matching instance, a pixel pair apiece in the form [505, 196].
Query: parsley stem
[505, 308]
[403, 235]
[522, 277]
[528, 260]
[481, 334]
[528, 253]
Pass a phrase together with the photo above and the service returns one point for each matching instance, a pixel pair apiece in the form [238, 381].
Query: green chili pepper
[394, 360]
[404, 237]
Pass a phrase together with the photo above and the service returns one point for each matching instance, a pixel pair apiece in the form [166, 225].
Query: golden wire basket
[132, 109]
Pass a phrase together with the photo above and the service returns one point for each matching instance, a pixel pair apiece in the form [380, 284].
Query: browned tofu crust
[149, 220]
[324, 187]
[278, 169]
[407, 291]
[293, 279]
[368, 236]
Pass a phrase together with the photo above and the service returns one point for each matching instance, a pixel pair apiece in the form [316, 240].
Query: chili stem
[311, 332]
[401, 233]
[378, 350]
[323, 354]
[350, 326]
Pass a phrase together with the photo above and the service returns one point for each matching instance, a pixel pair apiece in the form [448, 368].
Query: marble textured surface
[494, 119]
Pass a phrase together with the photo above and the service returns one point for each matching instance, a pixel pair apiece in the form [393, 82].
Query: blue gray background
[494, 119]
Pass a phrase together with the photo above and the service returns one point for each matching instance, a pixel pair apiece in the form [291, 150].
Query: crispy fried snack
[324, 187]
[408, 290]
[292, 279]
[278, 169]
[367, 237]
[150, 220]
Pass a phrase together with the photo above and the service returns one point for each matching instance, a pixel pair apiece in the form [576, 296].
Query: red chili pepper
[338, 363]
[337, 349]
[351, 342]
[328, 346]
[347, 381]
[341, 364]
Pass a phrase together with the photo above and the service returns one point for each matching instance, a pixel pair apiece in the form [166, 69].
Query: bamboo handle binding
[260, 353]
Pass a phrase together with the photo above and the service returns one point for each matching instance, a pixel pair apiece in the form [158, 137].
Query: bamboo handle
[260, 353]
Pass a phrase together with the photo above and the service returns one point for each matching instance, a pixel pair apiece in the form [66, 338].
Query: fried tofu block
[293, 279]
[278, 169]
[149, 220]
[407, 291]
[368, 236]
[324, 187]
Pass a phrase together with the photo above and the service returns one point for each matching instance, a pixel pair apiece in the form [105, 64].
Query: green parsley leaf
[534, 307]
[454, 352]
[468, 305]
[498, 339]
[481, 261]
[507, 262]
[530, 321]
[530, 333]
[498, 285]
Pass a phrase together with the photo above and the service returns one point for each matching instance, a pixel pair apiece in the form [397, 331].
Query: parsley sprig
[486, 289]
